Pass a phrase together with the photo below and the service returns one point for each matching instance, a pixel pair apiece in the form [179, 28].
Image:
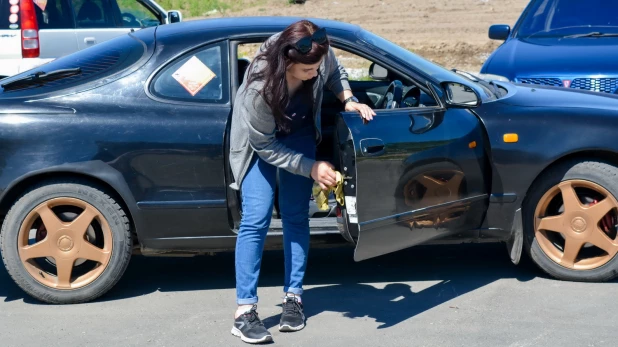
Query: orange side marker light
[510, 138]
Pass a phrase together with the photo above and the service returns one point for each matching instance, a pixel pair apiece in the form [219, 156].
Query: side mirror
[499, 32]
[460, 95]
[377, 72]
[174, 16]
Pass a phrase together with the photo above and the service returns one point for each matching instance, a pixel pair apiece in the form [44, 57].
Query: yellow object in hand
[321, 196]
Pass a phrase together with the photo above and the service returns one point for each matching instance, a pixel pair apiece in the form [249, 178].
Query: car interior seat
[89, 14]
[243, 64]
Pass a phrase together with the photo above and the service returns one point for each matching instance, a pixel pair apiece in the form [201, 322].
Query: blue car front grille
[606, 85]
[542, 81]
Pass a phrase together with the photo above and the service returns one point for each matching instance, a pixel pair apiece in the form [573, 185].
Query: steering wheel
[412, 98]
[393, 96]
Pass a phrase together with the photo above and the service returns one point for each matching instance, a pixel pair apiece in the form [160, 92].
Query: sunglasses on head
[304, 45]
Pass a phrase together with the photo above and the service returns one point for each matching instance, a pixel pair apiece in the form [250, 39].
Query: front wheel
[66, 242]
[571, 218]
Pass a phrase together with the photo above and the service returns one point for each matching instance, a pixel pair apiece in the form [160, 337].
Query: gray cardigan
[253, 124]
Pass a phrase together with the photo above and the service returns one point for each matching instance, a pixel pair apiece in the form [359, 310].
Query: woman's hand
[366, 112]
[323, 173]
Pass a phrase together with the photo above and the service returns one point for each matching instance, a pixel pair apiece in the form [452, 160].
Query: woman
[276, 125]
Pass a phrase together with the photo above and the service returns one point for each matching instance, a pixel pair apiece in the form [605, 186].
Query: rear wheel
[66, 242]
[571, 219]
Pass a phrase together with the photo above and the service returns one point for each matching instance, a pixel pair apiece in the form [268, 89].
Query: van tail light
[29, 30]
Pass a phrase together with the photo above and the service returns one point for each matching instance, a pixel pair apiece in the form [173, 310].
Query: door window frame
[410, 76]
[225, 73]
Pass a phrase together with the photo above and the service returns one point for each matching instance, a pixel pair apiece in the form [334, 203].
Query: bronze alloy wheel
[575, 224]
[65, 254]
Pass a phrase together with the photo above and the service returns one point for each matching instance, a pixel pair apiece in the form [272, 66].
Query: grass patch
[201, 8]
[195, 8]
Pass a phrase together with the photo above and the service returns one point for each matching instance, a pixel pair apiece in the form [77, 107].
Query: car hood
[557, 97]
[554, 57]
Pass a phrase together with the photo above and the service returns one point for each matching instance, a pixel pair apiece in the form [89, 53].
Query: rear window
[96, 62]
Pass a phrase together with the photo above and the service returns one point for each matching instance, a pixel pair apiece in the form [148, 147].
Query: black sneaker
[292, 318]
[250, 328]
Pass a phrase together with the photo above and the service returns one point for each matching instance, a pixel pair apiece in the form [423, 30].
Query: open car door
[411, 175]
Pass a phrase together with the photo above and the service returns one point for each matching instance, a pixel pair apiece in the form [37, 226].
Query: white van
[33, 32]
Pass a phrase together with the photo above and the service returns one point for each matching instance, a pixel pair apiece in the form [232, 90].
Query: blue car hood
[549, 57]
[558, 97]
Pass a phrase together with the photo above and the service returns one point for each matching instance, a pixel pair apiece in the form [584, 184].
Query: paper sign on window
[41, 4]
[193, 75]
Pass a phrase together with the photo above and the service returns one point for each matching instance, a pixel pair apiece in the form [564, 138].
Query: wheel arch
[603, 155]
[96, 172]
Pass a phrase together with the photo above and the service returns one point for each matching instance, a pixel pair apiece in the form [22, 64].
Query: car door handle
[90, 40]
[372, 147]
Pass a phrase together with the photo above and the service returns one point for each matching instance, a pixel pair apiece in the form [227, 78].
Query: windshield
[559, 18]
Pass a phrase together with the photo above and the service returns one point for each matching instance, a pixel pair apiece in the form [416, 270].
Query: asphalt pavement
[457, 295]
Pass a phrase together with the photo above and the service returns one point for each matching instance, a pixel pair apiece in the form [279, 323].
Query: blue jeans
[258, 193]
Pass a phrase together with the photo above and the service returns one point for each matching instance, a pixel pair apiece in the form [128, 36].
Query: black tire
[96, 197]
[601, 173]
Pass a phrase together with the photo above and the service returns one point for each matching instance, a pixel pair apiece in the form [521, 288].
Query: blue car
[566, 43]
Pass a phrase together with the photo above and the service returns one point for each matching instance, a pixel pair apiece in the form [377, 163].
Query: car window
[136, 15]
[53, 14]
[199, 76]
[93, 14]
[356, 66]
[556, 18]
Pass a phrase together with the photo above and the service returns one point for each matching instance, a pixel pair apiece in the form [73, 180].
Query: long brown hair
[278, 55]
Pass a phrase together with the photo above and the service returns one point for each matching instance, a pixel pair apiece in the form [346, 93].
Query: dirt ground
[452, 33]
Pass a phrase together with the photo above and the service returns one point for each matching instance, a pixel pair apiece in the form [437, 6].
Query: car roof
[259, 24]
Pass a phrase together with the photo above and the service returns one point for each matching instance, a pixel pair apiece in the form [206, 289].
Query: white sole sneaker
[286, 327]
[238, 333]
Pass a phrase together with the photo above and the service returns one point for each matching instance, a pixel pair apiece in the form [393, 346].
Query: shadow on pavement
[456, 270]
[342, 285]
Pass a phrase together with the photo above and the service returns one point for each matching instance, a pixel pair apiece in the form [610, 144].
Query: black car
[122, 148]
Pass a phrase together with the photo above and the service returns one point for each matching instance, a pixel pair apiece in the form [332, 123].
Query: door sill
[317, 226]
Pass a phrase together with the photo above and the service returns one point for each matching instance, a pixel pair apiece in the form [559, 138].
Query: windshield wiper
[592, 34]
[41, 77]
